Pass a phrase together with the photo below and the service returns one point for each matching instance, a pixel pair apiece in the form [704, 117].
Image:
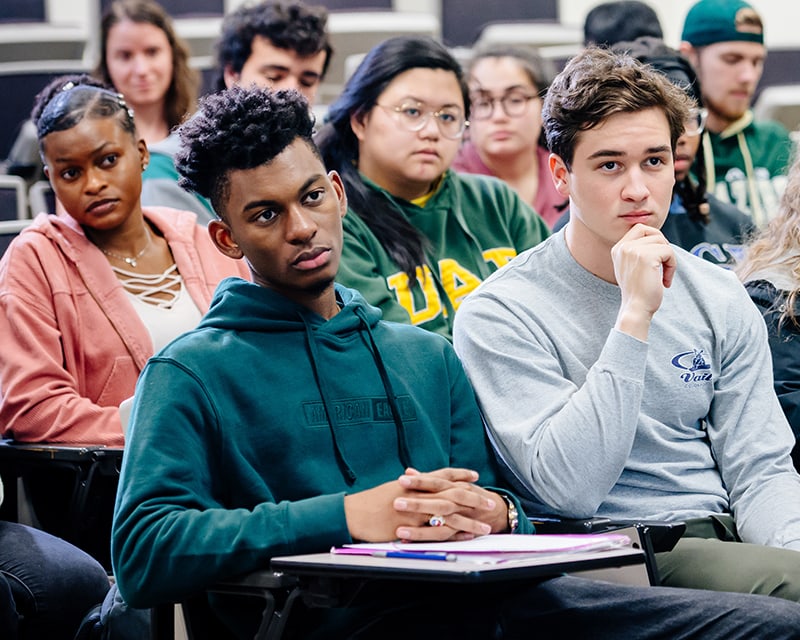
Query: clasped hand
[401, 508]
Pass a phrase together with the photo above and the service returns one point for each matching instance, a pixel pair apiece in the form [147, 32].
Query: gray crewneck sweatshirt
[591, 421]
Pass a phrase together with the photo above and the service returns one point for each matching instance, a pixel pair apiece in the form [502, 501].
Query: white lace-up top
[162, 303]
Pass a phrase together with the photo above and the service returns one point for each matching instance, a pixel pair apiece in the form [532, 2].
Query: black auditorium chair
[85, 477]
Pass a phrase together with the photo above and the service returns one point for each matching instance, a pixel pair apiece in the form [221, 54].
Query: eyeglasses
[414, 116]
[696, 122]
[514, 104]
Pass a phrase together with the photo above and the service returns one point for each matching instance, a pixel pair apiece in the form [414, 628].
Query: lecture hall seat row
[19, 202]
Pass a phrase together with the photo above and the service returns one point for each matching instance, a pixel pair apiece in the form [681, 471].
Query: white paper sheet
[510, 543]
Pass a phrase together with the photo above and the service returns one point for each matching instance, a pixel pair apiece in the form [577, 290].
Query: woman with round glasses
[506, 85]
[419, 237]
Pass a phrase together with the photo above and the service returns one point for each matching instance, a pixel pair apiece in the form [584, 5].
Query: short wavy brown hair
[598, 83]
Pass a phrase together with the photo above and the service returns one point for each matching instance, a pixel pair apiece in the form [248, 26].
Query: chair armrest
[21, 453]
[554, 524]
[256, 582]
[655, 536]
[664, 535]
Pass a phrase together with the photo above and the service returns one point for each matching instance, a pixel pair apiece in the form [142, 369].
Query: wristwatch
[513, 514]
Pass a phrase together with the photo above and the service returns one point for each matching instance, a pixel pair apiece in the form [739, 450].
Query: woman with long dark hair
[419, 237]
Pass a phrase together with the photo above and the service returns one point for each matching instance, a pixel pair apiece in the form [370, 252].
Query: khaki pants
[711, 555]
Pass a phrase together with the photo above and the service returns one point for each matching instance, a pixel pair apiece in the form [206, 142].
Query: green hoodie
[750, 162]
[247, 432]
[475, 225]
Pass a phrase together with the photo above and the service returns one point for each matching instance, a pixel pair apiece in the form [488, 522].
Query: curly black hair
[239, 128]
[288, 25]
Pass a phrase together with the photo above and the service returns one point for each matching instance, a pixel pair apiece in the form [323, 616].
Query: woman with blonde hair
[770, 271]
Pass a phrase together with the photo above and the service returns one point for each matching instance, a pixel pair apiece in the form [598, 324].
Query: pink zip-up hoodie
[71, 344]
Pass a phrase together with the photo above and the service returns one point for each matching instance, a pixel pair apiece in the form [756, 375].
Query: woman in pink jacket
[88, 296]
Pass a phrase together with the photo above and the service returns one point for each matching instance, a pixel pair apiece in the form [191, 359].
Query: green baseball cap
[711, 21]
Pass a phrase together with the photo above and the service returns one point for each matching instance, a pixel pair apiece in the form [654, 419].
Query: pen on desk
[416, 555]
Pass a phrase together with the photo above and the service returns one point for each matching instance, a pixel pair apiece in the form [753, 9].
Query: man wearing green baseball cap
[746, 159]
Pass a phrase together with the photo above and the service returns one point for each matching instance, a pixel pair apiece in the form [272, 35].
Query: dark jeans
[46, 584]
[565, 607]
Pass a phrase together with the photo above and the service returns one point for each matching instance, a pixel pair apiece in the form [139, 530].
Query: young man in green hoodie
[294, 419]
[746, 159]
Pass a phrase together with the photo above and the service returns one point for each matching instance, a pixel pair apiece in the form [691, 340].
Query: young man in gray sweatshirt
[621, 376]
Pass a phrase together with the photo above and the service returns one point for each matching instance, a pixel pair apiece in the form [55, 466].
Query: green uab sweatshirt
[475, 225]
[750, 162]
[247, 432]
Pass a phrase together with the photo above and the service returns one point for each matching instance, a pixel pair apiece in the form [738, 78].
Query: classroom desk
[327, 580]
[463, 570]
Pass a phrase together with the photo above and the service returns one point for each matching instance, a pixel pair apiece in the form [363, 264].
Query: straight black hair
[339, 145]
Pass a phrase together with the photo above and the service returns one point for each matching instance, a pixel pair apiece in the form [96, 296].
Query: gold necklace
[130, 260]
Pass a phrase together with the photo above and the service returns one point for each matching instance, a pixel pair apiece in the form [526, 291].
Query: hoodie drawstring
[402, 443]
[737, 128]
[756, 210]
[347, 470]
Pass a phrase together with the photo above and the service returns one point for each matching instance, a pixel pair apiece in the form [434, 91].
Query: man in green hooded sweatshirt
[746, 159]
[293, 419]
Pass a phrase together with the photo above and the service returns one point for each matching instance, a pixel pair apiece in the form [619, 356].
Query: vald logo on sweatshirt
[693, 366]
